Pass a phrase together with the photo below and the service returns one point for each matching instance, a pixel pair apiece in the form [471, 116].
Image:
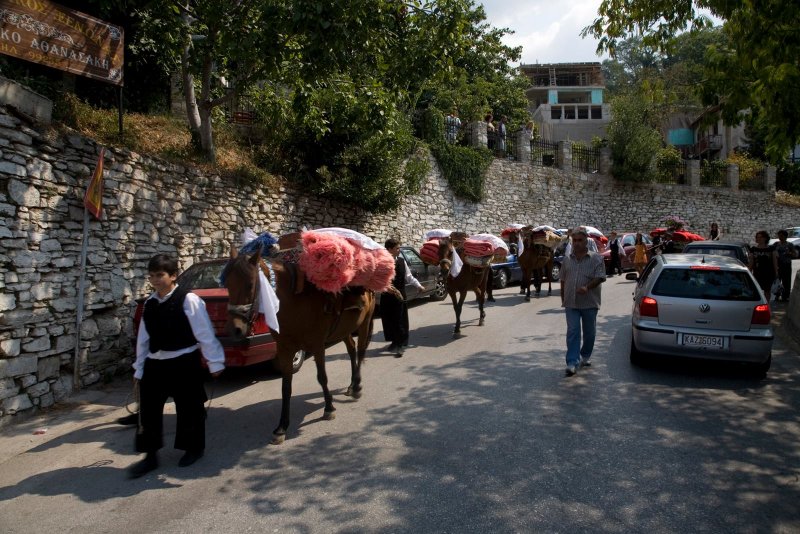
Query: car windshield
[714, 284]
[712, 251]
[202, 276]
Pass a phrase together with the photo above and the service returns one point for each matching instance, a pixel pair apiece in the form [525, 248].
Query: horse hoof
[356, 394]
[277, 439]
[329, 416]
[480, 323]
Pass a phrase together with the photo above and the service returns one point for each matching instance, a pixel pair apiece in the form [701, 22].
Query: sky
[547, 30]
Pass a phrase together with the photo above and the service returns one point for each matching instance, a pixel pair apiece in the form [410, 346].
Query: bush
[464, 168]
[750, 169]
[633, 140]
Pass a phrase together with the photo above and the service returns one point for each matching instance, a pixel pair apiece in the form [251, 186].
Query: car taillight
[761, 314]
[648, 307]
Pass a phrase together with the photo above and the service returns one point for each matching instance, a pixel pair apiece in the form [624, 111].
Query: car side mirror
[632, 276]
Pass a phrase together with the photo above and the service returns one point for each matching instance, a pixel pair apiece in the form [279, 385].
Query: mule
[470, 278]
[532, 260]
[310, 320]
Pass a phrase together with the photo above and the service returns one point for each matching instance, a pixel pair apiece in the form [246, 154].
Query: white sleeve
[142, 349]
[203, 331]
[410, 277]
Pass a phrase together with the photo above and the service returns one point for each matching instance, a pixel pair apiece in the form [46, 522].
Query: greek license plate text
[711, 342]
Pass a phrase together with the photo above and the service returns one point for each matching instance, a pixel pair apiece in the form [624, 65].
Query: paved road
[476, 434]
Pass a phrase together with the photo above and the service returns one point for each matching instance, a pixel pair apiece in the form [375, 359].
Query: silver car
[701, 306]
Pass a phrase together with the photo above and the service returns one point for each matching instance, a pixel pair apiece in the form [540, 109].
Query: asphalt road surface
[477, 434]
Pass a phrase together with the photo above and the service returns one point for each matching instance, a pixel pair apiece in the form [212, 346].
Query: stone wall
[152, 206]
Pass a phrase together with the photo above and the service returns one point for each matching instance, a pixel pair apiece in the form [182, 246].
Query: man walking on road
[582, 272]
[394, 311]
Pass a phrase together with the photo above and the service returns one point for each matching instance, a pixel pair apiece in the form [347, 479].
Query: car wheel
[441, 290]
[297, 361]
[760, 370]
[556, 272]
[636, 355]
[501, 280]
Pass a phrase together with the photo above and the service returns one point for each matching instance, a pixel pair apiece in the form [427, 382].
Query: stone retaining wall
[153, 206]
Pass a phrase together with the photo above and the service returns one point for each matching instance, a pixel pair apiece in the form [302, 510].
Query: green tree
[633, 137]
[756, 68]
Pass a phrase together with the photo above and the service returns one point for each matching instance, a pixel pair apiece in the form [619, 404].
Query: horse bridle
[247, 312]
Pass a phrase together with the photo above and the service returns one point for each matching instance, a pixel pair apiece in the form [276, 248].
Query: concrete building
[566, 100]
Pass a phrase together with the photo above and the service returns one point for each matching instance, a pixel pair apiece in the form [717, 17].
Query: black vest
[167, 324]
[400, 275]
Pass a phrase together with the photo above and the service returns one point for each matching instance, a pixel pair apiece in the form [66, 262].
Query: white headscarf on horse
[456, 264]
[268, 303]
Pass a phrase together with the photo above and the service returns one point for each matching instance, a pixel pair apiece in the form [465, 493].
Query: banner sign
[47, 33]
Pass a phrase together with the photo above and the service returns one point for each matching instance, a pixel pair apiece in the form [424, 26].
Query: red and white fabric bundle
[332, 261]
[474, 247]
[430, 252]
[500, 246]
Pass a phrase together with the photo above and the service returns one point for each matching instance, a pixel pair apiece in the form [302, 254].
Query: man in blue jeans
[582, 272]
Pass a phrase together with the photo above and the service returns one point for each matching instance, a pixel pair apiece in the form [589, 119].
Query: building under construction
[566, 100]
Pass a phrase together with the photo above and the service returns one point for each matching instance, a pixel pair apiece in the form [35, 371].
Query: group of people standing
[773, 263]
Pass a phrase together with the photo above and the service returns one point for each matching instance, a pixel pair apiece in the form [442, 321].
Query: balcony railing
[709, 143]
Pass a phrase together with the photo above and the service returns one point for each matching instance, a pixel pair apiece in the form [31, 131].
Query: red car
[203, 280]
[628, 240]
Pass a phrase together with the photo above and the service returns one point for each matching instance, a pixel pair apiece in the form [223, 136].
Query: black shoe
[130, 419]
[143, 467]
[189, 458]
[398, 353]
[391, 348]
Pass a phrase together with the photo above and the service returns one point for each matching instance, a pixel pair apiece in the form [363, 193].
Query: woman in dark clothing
[765, 262]
[714, 234]
[394, 311]
[786, 253]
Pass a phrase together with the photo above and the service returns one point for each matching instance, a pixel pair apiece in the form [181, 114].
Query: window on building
[583, 112]
[555, 112]
[569, 112]
[597, 112]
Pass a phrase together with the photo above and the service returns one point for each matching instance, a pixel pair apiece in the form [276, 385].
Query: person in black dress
[786, 253]
[765, 262]
[394, 311]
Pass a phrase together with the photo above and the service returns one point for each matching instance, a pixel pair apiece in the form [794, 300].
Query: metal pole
[120, 108]
[76, 363]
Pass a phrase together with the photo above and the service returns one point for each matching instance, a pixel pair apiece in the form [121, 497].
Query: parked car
[506, 273]
[428, 275]
[734, 249]
[793, 238]
[258, 346]
[700, 306]
[628, 240]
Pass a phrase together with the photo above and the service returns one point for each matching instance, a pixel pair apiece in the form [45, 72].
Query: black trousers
[615, 264]
[182, 379]
[785, 274]
[394, 317]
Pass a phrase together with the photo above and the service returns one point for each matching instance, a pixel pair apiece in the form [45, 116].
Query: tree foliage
[633, 137]
[756, 68]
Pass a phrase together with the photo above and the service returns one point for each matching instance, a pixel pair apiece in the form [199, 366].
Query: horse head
[241, 279]
[445, 255]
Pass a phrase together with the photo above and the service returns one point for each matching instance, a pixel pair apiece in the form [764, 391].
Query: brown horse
[533, 259]
[470, 278]
[310, 319]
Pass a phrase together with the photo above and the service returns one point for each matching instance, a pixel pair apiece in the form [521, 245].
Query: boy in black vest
[174, 334]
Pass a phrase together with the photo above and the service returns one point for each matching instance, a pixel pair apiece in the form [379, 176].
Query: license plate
[710, 342]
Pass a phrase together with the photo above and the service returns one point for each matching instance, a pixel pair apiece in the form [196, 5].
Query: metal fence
[453, 129]
[713, 174]
[753, 179]
[672, 173]
[544, 153]
[501, 145]
[585, 159]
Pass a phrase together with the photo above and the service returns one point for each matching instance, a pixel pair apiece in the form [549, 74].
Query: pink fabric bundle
[430, 252]
[327, 260]
[478, 248]
[383, 274]
[374, 269]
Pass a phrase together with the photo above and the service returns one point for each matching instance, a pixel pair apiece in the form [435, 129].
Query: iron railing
[585, 159]
[713, 174]
[671, 173]
[544, 153]
[754, 179]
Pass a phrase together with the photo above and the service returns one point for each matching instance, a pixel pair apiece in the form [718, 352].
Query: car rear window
[713, 251]
[202, 276]
[712, 284]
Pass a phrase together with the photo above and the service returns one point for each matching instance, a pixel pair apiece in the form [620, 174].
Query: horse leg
[537, 280]
[354, 389]
[526, 281]
[481, 299]
[462, 295]
[322, 378]
[549, 275]
[284, 358]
